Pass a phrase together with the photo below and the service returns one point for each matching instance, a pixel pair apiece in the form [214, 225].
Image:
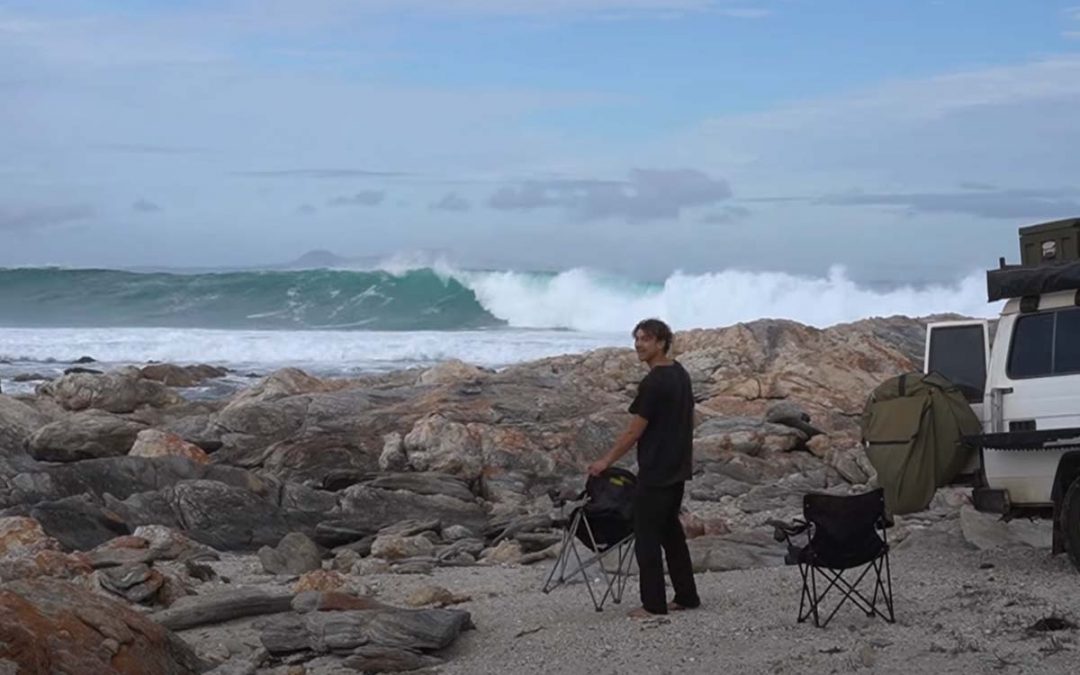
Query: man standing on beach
[662, 427]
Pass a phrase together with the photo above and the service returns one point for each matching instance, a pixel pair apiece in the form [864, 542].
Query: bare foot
[640, 613]
[676, 607]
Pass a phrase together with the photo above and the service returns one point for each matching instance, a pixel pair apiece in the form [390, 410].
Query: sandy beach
[958, 610]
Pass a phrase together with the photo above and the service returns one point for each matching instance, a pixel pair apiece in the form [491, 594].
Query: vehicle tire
[1070, 522]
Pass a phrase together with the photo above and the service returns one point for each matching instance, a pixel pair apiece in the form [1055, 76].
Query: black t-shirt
[665, 449]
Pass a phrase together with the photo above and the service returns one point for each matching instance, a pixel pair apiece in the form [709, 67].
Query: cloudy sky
[906, 140]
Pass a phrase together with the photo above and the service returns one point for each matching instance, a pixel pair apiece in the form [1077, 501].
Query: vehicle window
[1067, 342]
[1030, 354]
[959, 353]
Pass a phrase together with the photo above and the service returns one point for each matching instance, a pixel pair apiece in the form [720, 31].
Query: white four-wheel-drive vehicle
[1024, 384]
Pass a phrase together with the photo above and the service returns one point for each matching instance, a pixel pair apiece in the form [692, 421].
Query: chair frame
[810, 600]
[614, 583]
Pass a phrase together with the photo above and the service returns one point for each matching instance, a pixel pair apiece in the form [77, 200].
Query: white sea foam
[337, 351]
[583, 300]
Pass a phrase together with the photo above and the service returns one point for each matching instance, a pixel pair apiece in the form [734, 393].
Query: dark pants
[656, 527]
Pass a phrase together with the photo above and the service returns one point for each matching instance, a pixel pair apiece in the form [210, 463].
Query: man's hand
[622, 445]
[598, 467]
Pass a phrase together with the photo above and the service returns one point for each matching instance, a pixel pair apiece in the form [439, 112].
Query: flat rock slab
[324, 632]
[740, 551]
[986, 531]
[200, 610]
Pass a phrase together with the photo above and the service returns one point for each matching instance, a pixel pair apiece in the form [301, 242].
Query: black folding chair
[842, 533]
[604, 526]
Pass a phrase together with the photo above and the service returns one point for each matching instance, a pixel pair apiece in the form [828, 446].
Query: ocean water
[344, 321]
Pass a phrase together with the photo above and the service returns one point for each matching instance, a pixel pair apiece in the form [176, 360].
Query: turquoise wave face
[316, 299]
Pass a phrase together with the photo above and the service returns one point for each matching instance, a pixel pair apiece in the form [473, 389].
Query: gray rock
[396, 547]
[522, 524]
[224, 517]
[345, 631]
[792, 415]
[380, 508]
[429, 483]
[295, 554]
[393, 457]
[378, 659]
[770, 498]
[457, 532]
[87, 435]
[409, 528]
[737, 551]
[312, 459]
[223, 605]
[79, 523]
[846, 462]
[333, 533]
[744, 435]
[413, 566]
[134, 582]
[712, 487]
[198, 430]
[119, 392]
[120, 477]
[118, 557]
[18, 422]
[987, 531]
[181, 376]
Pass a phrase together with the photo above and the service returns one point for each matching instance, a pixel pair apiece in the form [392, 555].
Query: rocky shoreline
[294, 505]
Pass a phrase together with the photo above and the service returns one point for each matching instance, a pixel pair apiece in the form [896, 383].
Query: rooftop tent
[1016, 281]
[912, 426]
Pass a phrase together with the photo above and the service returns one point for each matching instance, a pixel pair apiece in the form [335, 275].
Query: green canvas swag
[912, 426]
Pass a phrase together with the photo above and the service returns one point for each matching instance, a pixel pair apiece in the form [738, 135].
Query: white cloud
[1005, 125]
[648, 194]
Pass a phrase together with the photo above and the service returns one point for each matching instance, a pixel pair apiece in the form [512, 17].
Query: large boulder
[79, 523]
[52, 626]
[18, 422]
[32, 482]
[86, 435]
[376, 509]
[156, 443]
[181, 376]
[438, 444]
[744, 435]
[449, 372]
[315, 459]
[122, 391]
[225, 517]
[294, 554]
[284, 383]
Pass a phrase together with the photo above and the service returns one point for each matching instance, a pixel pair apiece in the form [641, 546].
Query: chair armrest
[785, 530]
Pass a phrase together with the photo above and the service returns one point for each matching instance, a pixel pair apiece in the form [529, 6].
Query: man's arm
[622, 445]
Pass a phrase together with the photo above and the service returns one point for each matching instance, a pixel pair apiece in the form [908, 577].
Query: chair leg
[557, 575]
[850, 591]
[805, 595]
[613, 584]
[617, 583]
[889, 596]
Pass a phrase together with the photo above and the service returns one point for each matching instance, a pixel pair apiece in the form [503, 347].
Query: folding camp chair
[603, 524]
[842, 533]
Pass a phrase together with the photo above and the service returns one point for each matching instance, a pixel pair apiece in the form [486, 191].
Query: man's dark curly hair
[657, 330]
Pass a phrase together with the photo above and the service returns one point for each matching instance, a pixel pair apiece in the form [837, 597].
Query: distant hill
[317, 259]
